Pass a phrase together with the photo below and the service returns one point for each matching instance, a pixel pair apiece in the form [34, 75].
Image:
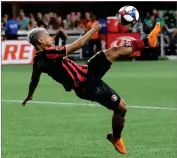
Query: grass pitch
[47, 130]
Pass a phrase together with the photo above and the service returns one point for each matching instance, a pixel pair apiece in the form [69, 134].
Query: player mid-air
[85, 79]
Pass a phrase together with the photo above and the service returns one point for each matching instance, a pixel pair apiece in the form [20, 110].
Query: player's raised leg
[151, 41]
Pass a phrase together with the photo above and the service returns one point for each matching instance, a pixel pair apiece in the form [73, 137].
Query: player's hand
[26, 99]
[96, 26]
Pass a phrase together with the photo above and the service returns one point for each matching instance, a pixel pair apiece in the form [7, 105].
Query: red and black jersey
[53, 61]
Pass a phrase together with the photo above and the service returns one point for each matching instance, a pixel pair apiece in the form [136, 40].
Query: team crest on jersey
[114, 98]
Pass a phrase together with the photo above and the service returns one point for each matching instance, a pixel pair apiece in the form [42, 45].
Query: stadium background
[58, 124]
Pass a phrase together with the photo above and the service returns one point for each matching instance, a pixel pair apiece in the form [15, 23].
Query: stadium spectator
[31, 16]
[11, 28]
[54, 15]
[58, 23]
[171, 30]
[51, 14]
[23, 21]
[39, 19]
[159, 18]
[87, 18]
[78, 16]
[67, 22]
[148, 23]
[170, 20]
[95, 39]
[46, 21]
[154, 16]
[73, 20]
[4, 20]
[32, 24]
[154, 13]
[73, 14]
[53, 18]
[79, 22]
[170, 23]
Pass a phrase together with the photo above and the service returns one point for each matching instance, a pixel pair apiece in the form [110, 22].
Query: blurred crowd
[83, 22]
[53, 22]
[76, 20]
[50, 21]
[168, 22]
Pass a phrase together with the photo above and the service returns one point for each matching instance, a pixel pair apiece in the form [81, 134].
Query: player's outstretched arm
[70, 48]
[33, 84]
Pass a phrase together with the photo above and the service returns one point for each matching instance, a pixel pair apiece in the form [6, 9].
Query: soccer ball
[128, 15]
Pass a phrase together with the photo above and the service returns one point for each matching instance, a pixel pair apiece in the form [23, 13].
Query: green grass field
[48, 130]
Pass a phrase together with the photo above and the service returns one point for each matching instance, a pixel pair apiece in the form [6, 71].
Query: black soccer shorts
[98, 65]
[95, 89]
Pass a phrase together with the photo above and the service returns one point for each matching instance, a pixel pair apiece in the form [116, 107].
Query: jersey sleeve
[34, 79]
[55, 51]
[36, 73]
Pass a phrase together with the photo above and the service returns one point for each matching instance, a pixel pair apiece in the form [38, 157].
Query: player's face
[46, 39]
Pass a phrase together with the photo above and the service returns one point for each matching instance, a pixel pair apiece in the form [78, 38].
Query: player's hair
[33, 35]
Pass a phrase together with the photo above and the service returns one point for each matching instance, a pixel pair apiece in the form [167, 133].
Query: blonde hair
[32, 36]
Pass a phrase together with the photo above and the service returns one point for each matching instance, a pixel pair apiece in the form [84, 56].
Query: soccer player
[85, 79]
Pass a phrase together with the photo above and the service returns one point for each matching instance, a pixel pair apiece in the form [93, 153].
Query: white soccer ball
[128, 15]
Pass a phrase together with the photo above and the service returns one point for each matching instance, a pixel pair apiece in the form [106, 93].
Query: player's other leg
[118, 120]
[100, 92]
[151, 41]
[107, 97]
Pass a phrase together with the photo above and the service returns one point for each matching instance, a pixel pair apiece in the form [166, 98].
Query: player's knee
[123, 106]
[118, 105]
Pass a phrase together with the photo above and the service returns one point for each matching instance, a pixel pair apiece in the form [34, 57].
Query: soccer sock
[139, 44]
[117, 125]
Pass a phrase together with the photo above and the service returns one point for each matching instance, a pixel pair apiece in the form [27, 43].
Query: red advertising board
[17, 52]
[21, 52]
[118, 39]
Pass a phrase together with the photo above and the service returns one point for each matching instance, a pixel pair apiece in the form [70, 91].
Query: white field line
[87, 104]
